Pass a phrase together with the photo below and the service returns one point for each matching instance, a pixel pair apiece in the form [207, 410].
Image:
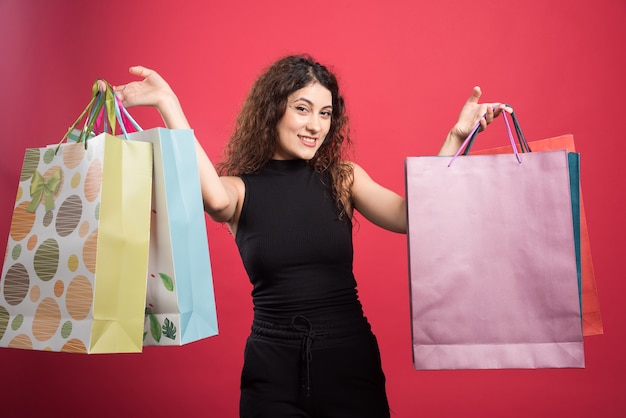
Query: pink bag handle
[470, 137]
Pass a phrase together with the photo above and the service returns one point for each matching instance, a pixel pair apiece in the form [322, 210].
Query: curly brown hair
[255, 137]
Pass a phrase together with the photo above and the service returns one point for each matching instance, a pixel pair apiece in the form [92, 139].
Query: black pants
[312, 373]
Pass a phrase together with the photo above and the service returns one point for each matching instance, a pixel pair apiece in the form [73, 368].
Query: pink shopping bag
[493, 270]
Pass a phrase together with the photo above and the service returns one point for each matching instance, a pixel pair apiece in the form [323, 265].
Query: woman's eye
[301, 109]
[326, 114]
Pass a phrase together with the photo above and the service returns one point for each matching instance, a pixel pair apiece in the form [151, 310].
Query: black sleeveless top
[297, 252]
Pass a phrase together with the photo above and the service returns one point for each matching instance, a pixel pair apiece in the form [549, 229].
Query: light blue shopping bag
[180, 304]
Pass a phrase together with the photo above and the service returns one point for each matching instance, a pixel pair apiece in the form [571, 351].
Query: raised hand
[153, 90]
[471, 114]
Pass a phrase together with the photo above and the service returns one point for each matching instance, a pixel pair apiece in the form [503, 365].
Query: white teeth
[309, 140]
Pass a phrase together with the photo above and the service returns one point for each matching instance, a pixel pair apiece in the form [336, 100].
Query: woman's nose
[313, 124]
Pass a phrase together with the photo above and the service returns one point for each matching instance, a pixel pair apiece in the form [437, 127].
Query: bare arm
[377, 204]
[220, 195]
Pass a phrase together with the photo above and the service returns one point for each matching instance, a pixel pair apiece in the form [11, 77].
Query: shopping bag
[180, 304]
[74, 275]
[592, 319]
[492, 261]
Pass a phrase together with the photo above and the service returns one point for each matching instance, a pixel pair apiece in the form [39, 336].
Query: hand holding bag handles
[114, 107]
[101, 115]
[469, 141]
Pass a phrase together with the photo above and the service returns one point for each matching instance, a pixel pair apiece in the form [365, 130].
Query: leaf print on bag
[155, 327]
[169, 330]
[168, 282]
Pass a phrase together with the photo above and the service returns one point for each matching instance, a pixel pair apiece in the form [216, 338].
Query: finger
[483, 124]
[489, 114]
[499, 108]
[140, 71]
[102, 87]
[119, 90]
[476, 93]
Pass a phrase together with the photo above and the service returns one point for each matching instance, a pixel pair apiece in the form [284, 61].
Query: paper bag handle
[102, 103]
[92, 108]
[523, 145]
[114, 112]
[468, 142]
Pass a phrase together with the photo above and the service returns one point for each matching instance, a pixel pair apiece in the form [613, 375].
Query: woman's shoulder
[356, 169]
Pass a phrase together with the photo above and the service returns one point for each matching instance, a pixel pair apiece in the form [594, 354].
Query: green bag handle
[92, 110]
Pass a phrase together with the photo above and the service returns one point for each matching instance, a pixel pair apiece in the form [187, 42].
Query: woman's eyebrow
[310, 103]
[302, 99]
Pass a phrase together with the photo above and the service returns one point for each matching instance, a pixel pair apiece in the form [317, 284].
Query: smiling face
[305, 123]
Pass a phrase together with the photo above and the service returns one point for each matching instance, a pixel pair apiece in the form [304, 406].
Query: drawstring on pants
[300, 332]
[307, 341]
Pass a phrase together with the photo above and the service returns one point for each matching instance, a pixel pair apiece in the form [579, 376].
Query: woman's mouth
[308, 140]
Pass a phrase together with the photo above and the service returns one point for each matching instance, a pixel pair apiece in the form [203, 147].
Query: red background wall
[406, 69]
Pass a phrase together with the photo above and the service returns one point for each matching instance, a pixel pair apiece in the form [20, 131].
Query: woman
[288, 196]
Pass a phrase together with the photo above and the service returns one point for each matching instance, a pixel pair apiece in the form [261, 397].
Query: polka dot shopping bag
[75, 270]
